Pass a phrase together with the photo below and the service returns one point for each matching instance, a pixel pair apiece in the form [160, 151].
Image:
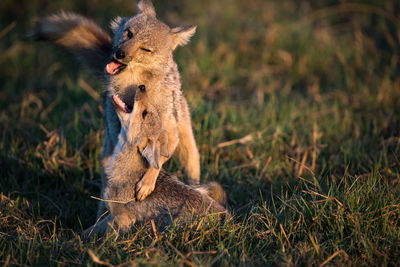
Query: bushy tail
[215, 191]
[79, 35]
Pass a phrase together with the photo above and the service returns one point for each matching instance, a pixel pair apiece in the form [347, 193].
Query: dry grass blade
[185, 260]
[7, 260]
[153, 226]
[88, 89]
[97, 221]
[302, 164]
[175, 249]
[286, 237]
[243, 140]
[326, 197]
[113, 201]
[7, 29]
[97, 260]
[333, 256]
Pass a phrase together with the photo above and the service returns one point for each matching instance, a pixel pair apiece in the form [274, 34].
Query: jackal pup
[141, 52]
[141, 142]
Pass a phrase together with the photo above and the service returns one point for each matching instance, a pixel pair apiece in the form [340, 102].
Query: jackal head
[143, 44]
[143, 128]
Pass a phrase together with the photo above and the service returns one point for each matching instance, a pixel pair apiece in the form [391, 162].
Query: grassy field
[307, 91]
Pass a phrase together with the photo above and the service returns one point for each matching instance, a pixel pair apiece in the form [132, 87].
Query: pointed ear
[181, 35]
[146, 7]
[117, 23]
[163, 139]
[152, 153]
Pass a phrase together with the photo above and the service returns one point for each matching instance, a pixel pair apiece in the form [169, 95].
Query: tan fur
[156, 68]
[215, 191]
[171, 199]
[158, 71]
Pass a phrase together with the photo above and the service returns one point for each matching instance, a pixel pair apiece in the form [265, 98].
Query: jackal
[141, 52]
[141, 142]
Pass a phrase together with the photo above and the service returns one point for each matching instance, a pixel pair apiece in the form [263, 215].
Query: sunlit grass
[308, 93]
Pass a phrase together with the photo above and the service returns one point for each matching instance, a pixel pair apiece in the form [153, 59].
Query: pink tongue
[119, 103]
[112, 67]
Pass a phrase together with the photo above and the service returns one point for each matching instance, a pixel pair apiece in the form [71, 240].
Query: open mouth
[121, 104]
[114, 67]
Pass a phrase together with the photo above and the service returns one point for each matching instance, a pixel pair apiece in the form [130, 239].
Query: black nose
[129, 108]
[119, 54]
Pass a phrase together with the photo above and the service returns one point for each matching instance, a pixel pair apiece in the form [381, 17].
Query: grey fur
[78, 34]
[157, 68]
[171, 200]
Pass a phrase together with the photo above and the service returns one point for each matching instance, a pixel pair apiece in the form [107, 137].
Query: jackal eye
[144, 114]
[146, 49]
[142, 88]
[128, 34]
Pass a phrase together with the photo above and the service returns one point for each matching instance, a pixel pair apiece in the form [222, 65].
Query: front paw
[144, 188]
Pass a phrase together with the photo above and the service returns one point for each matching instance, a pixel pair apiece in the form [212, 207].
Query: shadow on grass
[62, 194]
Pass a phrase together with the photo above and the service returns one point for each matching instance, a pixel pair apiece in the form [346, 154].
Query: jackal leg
[112, 128]
[148, 182]
[105, 158]
[188, 155]
[99, 228]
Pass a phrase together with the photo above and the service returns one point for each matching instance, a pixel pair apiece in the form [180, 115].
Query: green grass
[315, 84]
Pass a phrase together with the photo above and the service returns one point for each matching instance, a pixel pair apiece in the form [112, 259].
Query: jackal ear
[181, 35]
[152, 153]
[146, 7]
[163, 139]
[117, 23]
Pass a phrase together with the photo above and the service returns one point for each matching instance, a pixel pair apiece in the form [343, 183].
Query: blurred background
[309, 92]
